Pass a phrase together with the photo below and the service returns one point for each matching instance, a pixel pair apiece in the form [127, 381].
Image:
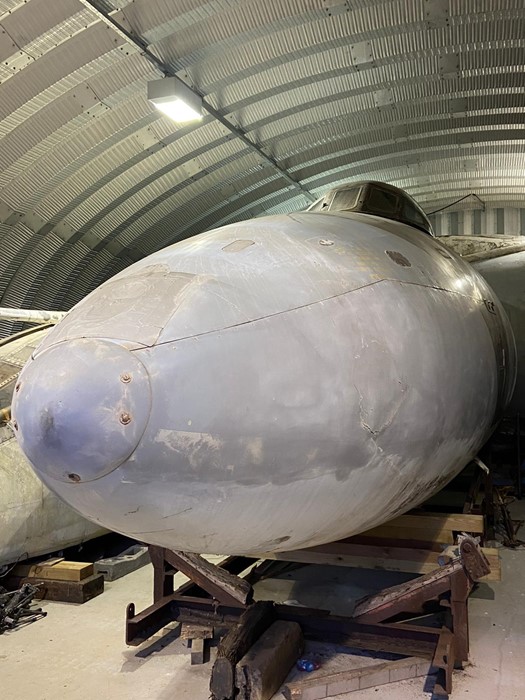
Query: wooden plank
[55, 570]
[363, 557]
[416, 561]
[390, 542]
[64, 591]
[432, 527]
[443, 535]
[493, 555]
[458, 522]
[409, 640]
[348, 549]
[196, 632]
[219, 583]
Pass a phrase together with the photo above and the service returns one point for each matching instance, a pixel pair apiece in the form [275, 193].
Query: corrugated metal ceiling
[427, 94]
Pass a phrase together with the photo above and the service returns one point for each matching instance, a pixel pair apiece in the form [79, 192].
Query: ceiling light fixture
[175, 99]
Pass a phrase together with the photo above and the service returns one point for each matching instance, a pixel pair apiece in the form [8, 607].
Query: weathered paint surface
[501, 261]
[33, 521]
[315, 383]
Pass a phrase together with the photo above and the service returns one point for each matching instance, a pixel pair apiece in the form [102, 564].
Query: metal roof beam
[97, 7]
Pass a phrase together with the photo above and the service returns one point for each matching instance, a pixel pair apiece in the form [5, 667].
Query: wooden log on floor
[262, 670]
[253, 622]
[219, 583]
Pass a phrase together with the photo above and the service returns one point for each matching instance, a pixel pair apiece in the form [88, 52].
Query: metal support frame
[370, 627]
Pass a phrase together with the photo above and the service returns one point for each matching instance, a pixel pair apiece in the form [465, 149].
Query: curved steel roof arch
[426, 95]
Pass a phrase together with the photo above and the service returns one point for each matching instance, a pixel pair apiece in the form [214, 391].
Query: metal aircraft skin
[501, 261]
[33, 521]
[269, 385]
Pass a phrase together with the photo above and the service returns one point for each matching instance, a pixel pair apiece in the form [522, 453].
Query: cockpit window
[381, 201]
[376, 198]
[345, 200]
[410, 213]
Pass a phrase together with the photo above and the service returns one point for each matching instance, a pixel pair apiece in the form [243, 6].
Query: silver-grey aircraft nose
[80, 408]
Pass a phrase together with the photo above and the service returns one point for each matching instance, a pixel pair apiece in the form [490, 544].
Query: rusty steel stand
[216, 596]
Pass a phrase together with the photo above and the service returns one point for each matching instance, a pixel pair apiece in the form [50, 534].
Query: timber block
[197, 651]
[195, 637]
[262, 670]
[56, 569]
[66, 591]
[195, 631]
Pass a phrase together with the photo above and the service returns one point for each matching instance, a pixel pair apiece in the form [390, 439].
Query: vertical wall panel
[494, 221]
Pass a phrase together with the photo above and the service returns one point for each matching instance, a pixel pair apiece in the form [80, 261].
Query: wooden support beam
[219, 583]
[390, 558]
[455, 577]
[458, 522]
[402, 639]
[233, 565]
[405, 597]
[431, 527]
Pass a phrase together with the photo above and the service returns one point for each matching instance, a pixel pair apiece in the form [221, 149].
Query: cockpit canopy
[377, 198]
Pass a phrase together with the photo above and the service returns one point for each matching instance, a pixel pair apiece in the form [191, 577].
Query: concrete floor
[78, 652]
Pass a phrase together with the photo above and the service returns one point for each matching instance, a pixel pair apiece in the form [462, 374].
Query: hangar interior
[294, 98]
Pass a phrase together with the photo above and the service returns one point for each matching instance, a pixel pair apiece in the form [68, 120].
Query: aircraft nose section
[80, 408]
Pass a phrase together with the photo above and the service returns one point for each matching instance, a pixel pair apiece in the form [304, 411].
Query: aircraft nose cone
[80, 409]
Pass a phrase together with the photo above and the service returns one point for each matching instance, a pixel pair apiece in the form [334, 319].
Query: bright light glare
[178, 110]
[461, 283]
